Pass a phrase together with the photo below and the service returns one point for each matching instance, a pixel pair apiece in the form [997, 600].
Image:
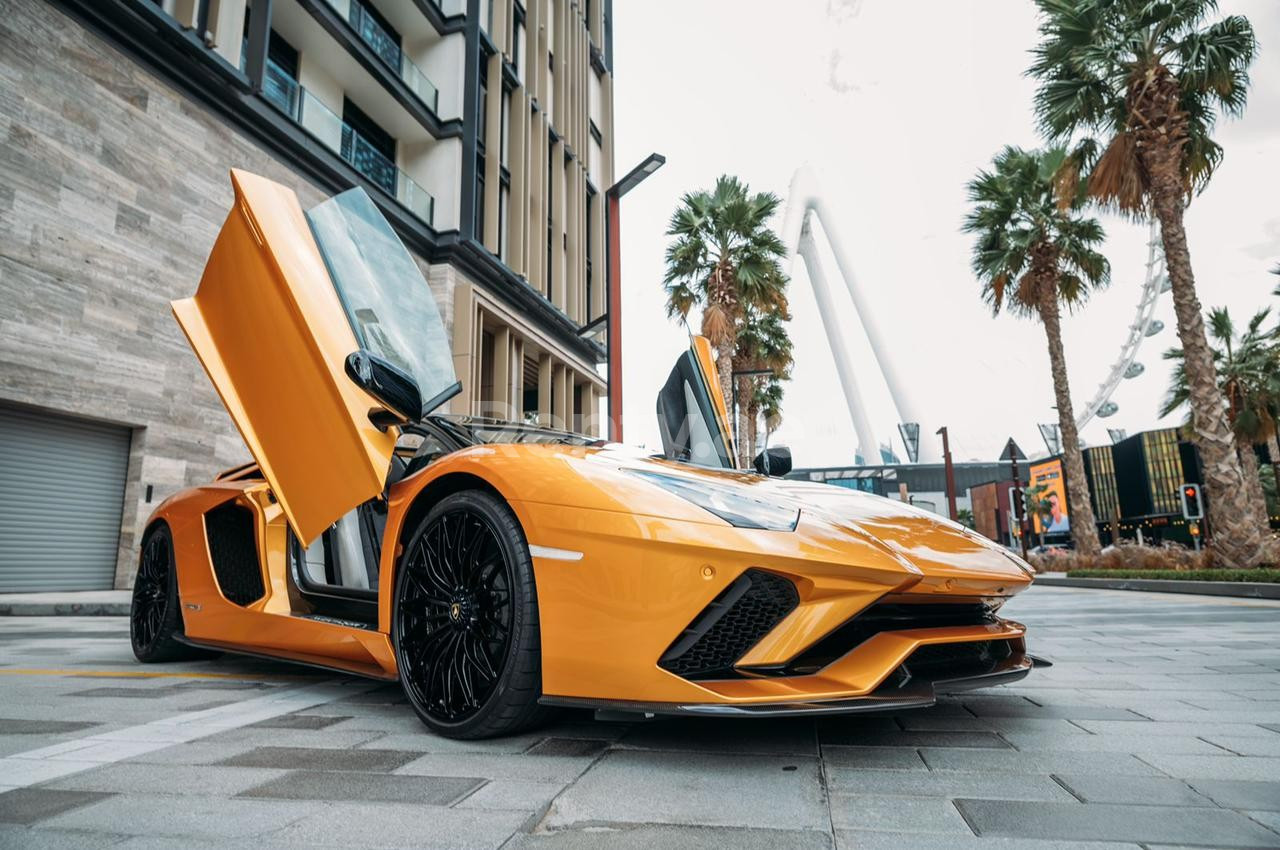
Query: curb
[1244, 589]
[75, 604]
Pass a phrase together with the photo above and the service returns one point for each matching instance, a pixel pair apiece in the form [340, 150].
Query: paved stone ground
[1158, 726]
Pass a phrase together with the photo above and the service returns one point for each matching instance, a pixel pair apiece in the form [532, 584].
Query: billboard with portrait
[1052, 519]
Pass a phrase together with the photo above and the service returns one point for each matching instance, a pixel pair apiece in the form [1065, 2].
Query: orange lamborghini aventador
[498, 569]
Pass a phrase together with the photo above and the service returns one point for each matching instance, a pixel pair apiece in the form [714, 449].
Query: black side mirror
[394, 388]
[775, 461]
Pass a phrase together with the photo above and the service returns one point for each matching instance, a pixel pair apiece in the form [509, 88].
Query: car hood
[946, 552]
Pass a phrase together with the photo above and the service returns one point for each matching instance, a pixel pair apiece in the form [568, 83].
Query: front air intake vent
[734, 622]
[234, 552]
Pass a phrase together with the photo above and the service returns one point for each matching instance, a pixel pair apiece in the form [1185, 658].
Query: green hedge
[1268, 576]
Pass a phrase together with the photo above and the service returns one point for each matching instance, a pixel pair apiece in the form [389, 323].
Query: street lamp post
[951, 474]
[613, 291]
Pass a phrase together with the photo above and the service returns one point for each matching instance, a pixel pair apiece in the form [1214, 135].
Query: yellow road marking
[149, 674]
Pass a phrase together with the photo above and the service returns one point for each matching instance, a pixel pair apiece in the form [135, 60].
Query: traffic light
[1192, 508]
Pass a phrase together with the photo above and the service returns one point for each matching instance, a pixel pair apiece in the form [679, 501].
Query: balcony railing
[285, 93]
[386, 49]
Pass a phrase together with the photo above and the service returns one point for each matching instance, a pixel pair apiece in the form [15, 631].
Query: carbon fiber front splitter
[915, 692]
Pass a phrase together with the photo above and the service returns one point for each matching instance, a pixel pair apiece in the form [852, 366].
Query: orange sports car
[498, 570]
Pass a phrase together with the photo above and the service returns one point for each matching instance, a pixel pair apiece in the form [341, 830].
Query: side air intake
[734, 622]
[229, 529]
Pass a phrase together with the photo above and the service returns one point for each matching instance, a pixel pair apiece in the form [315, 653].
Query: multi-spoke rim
[455, 622]
[151, 591]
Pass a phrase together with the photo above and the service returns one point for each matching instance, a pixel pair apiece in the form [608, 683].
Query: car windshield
[386, 299]
[474, 430]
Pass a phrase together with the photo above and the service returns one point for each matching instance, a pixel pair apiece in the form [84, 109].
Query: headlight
[733, 507]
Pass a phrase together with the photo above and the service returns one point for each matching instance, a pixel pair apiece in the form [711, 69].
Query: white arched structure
[803, 202]
[1144, 325]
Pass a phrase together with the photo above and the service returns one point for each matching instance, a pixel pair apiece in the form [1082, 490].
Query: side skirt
[303, 660]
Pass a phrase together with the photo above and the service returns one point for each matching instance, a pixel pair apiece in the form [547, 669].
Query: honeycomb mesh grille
[234, 553]
[941, 660]
[734, 622]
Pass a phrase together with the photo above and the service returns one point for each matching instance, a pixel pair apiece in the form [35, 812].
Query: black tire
[465, 622]
[154, 614]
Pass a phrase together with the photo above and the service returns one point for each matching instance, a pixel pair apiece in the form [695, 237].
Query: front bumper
[611, 620]
[913, 692]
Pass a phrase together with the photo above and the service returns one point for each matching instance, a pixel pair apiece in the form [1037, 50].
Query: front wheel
[465, 623]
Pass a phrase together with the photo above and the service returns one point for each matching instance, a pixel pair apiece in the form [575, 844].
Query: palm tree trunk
[724, 365]
[1084, 530]
[753, 414]
[743, 389]
[1233, 515]
[1253, 480]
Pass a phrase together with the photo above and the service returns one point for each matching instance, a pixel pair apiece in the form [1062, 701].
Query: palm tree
[763, 343]
[724, 259]
[1248, 368]
[1149, 78]
[1033, 256]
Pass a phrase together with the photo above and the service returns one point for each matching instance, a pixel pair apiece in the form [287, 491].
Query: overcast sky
[895, 105]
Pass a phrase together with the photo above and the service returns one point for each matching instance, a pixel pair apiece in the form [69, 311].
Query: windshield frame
[385, 297]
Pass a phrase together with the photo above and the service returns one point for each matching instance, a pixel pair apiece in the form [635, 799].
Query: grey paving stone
[374, 787]
[567, 747]
[649, 837]
[967, 740]
[1135, 790]
[849, 839]
[403, 825]
[629, 786]
[183, 780]
[1246, 746]
[30, 805]
[1256, 769]
[1271, 820]
[421, 741]
[1023, 708]
[779, 737]
[909, 783]
[512, 794]
[294, 738]
[22, 726]
[561, 769]
[1099, 822]
[1175, 727]
[873, 758]
[301, 758]
[897, 814]
[1240, 794]
[42, 838]
[131, 693]
[1012, 761]
[298, 721]
[199, 818]
[1034, 742]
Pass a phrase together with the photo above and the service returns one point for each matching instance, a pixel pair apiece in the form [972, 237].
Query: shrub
[1166, 557]
[1268, 576]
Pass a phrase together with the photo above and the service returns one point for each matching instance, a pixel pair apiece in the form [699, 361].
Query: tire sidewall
[168, 622]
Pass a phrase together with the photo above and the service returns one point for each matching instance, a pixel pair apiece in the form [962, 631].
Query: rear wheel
[154, 615]
[465, 623]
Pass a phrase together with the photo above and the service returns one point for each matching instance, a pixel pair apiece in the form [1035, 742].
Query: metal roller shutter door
[61, 498]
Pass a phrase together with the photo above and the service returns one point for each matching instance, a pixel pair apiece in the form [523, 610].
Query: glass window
[387, 301]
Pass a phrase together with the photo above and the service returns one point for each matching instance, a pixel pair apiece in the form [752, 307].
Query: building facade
[482, 128]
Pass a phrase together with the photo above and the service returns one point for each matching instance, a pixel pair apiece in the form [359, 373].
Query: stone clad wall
[112, 189]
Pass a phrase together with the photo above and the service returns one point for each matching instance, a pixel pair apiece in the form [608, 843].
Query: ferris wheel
[1144, 325]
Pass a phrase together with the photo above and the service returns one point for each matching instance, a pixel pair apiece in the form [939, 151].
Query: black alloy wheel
[154, 615]
[466, 622]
